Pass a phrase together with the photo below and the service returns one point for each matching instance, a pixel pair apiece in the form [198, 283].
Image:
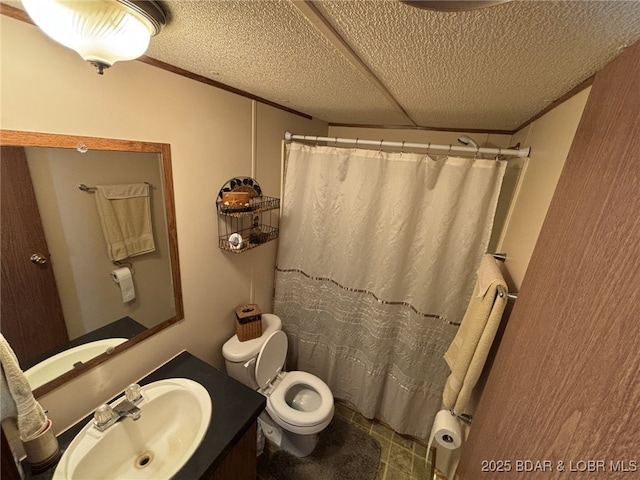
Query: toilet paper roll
[122, 277]
[446, 431]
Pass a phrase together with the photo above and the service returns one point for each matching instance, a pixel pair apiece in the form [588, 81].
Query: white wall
[550, 138]
[47, 88]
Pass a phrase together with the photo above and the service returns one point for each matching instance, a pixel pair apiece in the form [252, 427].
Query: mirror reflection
[63, 286]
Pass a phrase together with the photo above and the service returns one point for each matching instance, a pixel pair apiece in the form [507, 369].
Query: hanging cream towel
[125, 215]
[17, 398]
[468, 352]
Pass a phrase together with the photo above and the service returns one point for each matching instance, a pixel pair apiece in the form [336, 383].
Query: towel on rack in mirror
[125, 216]
[468, 352]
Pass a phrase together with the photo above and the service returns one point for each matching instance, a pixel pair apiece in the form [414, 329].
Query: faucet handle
[133, 393]
[103, 415]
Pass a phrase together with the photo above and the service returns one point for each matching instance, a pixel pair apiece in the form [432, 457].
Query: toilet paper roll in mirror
[122, 277]
[446, 431]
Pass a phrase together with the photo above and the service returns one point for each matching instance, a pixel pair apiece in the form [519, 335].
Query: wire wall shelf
[256, 205]
[246, 218]
[248, 241]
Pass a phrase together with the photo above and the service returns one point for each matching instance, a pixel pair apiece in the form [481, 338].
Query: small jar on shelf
[256, 235]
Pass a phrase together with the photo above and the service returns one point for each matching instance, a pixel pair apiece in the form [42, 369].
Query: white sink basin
[175, 416]
[63, 362]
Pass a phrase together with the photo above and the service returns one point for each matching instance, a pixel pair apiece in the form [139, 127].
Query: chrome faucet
[127, 409]
[106, 416]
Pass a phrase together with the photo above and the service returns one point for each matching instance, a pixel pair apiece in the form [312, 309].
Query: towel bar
[510, 296]
[84, 188]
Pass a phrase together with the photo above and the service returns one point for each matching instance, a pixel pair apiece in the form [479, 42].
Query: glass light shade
[103, 32]
[453, 5]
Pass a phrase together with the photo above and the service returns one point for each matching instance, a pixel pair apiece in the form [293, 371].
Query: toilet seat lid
[271, 358]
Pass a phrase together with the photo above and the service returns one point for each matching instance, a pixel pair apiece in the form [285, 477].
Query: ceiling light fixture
[103, 32]
[453, 5]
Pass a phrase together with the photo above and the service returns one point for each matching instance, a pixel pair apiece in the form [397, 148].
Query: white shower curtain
[376, 263]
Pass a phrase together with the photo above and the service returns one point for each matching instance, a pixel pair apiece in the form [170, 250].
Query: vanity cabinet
[246, 218]
[241, 462]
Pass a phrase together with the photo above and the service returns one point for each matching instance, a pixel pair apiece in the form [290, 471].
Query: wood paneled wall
[564, 390]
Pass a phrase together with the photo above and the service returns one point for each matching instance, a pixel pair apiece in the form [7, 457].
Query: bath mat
[344, 452]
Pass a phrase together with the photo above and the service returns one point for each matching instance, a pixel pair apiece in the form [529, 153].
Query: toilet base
[294, 443]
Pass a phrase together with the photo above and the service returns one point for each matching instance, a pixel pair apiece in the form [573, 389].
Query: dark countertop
[235, 408]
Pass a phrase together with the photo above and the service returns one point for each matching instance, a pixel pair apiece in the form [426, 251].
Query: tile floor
[401, 457]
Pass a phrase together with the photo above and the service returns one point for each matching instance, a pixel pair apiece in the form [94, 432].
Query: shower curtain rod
[522, 152]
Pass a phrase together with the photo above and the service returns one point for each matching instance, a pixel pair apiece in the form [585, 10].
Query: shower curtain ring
[380, 149]
[316, 140]
[449, 152]
[402, 147]
[357, 142]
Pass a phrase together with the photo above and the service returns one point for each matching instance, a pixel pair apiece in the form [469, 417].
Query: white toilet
[299, 404]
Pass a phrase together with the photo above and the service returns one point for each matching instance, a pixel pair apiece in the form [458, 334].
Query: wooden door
[30, 309]
[8, 470]
[564, 390]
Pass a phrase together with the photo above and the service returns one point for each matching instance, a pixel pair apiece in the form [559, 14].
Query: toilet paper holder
[120, 263]
[465, 417]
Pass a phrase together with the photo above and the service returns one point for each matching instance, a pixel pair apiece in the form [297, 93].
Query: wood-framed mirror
[58, 282]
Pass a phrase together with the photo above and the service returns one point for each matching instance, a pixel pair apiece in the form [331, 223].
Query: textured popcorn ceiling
[490, 68]
[382, 62]
[270, 50]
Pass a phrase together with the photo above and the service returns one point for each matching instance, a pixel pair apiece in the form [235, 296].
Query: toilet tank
[240, 357]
